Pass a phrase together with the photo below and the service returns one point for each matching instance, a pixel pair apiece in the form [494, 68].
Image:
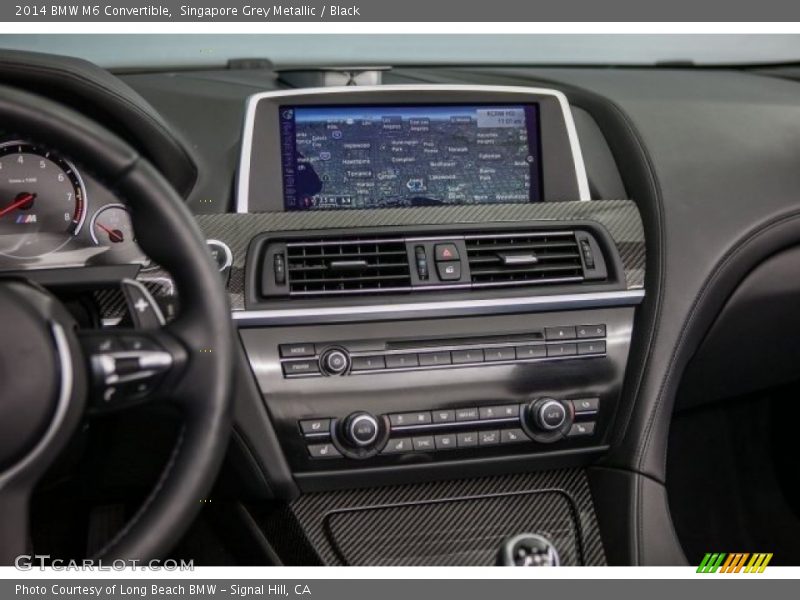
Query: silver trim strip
[243, 174]
[421, 310]
[436, 426]
[62, 406]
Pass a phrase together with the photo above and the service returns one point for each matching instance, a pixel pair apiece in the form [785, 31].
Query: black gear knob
[528, 550]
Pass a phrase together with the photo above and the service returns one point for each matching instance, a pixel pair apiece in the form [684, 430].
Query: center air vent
[498, 260]
[303, 265]
[343, 266]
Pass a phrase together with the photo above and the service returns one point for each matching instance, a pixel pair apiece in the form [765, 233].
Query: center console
[425, 293]
[430, 290]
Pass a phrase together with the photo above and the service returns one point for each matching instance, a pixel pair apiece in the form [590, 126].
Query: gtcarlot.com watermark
[29, 562]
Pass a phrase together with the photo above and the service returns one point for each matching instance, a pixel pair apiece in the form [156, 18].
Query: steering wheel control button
[398, 446]
[323, 451]
[101, 344]
[559, 333]
[445, 252]
[591, 331]
[361, 429]
[334, 361]
[549, 414]
[368, 363]
[296, 350]
[298, 368]
[137, 343]
[315, 427]
[513, 436]
[581, 429]
[586, 406]
[449, 271]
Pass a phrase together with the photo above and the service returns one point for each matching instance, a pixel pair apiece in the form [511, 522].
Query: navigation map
[386, 156]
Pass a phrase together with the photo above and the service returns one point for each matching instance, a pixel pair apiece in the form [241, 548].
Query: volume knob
[361, 429]
[334, 361]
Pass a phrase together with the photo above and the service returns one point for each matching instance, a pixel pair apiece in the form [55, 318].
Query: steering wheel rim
[167, 233]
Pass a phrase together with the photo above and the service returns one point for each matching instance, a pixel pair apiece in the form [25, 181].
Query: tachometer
[42, 200]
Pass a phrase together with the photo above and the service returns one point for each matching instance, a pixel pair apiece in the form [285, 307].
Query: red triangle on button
[446, 253]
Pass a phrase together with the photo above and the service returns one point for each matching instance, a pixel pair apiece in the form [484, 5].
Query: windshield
[187, 50]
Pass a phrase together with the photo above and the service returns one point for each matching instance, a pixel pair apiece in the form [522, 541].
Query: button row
[574, 332]
[303, 350]
[484, 413]
[300, 359]
[474, 356]
[452, 441]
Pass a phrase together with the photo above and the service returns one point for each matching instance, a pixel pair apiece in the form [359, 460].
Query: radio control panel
[477, 392]
[353, 358]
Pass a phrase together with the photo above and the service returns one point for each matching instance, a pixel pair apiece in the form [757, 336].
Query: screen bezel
[260, 185]
[536, 192]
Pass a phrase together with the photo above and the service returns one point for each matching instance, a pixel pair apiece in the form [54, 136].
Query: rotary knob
[361, 429]
[334, 361]
[548, 414]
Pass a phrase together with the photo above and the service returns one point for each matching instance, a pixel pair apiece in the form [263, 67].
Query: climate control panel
[362, 435]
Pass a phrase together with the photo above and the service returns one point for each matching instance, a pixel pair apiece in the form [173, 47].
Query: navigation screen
[349, 157]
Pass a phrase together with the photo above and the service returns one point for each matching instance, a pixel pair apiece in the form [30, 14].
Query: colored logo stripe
[734, 562]
[758, 563]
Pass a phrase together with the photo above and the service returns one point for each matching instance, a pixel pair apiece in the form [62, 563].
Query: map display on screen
[358, 157]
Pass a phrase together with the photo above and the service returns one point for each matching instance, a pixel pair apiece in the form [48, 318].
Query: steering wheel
[187, 362]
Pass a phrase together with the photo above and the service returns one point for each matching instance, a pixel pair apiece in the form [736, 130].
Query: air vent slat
[347, 266]
[547, 258]
[504, 246]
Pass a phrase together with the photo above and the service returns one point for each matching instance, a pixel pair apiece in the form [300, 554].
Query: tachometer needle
[18, 202]
[115, 235]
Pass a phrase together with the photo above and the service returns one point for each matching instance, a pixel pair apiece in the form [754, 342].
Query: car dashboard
[451, 289]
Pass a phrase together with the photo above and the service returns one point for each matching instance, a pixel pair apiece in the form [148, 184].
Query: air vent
[347, 266]
[525, 258]
[306, 264]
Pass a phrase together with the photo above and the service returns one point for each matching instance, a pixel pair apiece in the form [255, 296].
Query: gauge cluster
[52, 215]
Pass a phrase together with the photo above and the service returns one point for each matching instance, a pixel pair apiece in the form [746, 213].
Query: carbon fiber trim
[620, 217]
[111, 302]
[459, 522]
